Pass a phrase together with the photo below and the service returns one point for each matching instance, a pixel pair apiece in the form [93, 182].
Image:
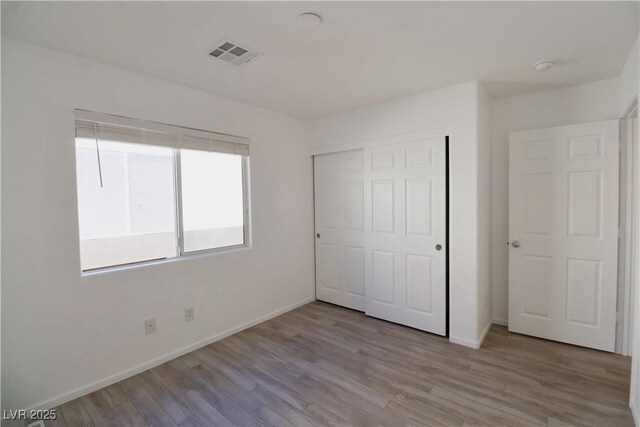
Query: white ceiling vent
[234, 53]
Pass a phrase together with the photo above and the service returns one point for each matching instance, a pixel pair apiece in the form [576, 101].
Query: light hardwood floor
[325, 365]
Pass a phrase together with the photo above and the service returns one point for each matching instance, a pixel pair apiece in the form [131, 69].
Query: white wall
[485, 214]
[629, 88]
[574, 104]
[452, 111]
[634, 395]
[62, 332]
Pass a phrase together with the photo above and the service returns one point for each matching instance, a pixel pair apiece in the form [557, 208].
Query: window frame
[181, 254]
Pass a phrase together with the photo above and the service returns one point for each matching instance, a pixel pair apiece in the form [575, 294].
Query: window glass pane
[131, 217]
[212, 200]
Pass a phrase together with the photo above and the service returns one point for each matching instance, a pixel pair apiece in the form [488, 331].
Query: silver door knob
[515, 243]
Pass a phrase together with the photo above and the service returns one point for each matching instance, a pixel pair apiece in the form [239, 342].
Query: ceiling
[364, 53]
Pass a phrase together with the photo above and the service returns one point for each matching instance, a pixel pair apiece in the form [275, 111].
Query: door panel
[538, 195]
[405, 218]
[384, 277]
[563, 211]
[585, 204]
[383, 208]
[420, 283]
[339, 216]
[536, 284]
[354, 263]
[354, 200]
[419, 205]
[583, 290]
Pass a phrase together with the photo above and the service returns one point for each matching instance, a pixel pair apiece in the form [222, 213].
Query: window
[160, 193]
[212, 205]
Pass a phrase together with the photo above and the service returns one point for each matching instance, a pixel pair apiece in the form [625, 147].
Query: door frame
[628, 203]
[388, 140]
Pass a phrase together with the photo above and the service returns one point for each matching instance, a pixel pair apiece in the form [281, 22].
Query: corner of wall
[475, 344]
[630, 77]
[485, 209]
[501, 322]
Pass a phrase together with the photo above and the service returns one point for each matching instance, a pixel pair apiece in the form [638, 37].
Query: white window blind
[106, 127]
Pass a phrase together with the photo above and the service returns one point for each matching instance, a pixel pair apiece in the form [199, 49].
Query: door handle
[438, 247]
[515, 243]
[318, 235]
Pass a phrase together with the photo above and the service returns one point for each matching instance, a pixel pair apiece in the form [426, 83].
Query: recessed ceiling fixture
[234, 53]
[309, 20]
[544, 65]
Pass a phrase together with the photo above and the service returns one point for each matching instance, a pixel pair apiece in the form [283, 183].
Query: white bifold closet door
[405, 233]
[339, 217]
[563, 226]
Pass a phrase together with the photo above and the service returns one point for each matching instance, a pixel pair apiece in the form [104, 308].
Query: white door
[339, 218]
[563, 230]
[405, 233]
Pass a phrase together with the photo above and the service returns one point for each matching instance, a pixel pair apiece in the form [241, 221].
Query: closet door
[339, 221]
[405, 233]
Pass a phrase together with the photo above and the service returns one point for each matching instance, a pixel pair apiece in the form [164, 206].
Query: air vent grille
[234, 53]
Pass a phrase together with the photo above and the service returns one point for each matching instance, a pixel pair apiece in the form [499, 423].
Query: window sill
[187, 256]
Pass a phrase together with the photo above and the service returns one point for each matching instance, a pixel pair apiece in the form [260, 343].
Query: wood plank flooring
[325, 365]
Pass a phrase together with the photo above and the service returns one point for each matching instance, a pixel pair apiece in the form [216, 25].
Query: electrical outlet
[188, 314]
[150, 326]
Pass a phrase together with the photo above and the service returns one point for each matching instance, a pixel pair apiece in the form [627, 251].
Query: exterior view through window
[211, 200]
[145, 202]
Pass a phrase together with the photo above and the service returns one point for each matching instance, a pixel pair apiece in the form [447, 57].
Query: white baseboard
[501, 322]
[97, 385]
[470, 343]
[484, 333]
[463, 341]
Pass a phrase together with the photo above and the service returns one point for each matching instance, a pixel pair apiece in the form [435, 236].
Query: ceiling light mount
[544, 65]
[309, 20]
